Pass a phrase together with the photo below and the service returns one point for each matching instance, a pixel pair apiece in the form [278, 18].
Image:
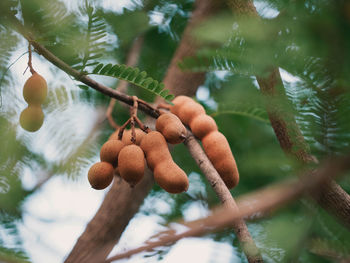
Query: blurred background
[45, 198]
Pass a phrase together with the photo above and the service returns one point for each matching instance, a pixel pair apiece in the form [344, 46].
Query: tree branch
[149, 110]
[240, 228]
[261, 201]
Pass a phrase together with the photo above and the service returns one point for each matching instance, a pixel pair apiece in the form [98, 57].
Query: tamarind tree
[225, 120]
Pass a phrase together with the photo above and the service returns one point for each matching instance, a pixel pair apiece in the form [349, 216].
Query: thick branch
[108, 224]
[262, 201]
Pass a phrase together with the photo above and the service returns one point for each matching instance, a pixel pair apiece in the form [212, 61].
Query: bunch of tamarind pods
[129, 157]
[34, 93]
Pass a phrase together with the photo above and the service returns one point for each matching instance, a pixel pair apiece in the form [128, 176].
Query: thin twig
[30, 59]
[122, 128]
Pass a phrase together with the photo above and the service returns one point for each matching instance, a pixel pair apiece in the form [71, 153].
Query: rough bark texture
[240, 228]
[107, 220]
[335, 199]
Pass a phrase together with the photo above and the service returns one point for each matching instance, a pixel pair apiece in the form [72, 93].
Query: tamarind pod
[178, 102]
[100, 175]
[189, 111]
[155, 148]
[171, 127]
[131, 164]
[170, 177]
[219, 153]
[31, 118]
[202, 125]
[127, 136]
[158, 156]
[35, 89]
[110, 150]
[153, 141]
[114, 135]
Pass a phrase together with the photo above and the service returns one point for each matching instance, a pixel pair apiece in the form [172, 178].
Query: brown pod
[219, 153]
[155, 148]
[31, 118]
[100, 175]
[131, 164]
[178, 102]
[171, 177]
[114, 135]
[35, 89]
[171, 127]
[202, 125]
[189, 111]
[127, 136]
[110, 151]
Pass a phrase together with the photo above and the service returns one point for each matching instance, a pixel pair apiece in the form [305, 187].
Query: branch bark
[240, 228]
[334, 200]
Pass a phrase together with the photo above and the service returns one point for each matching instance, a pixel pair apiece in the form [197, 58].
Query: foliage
[307, 40]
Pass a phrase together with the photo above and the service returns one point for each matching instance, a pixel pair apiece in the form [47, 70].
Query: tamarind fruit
[167, 174]
[126, 139]
[171, 127]
[100, 175]
[188, 110]
[219, 153]
[178, 102]
[131, 164]
[127, 136]
[31, 118]
[202, 125]
[35, 89]
[214, 143]
[110, 150]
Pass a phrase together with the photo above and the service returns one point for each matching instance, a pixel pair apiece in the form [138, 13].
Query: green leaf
[105, 69]
[133, 76]
[140, 77]
[84, 87]
[97, 69]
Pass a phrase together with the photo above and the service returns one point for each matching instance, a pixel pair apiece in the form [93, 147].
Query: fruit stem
[122, 128]
[30, 59]
[133, 116]
[142, 126]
